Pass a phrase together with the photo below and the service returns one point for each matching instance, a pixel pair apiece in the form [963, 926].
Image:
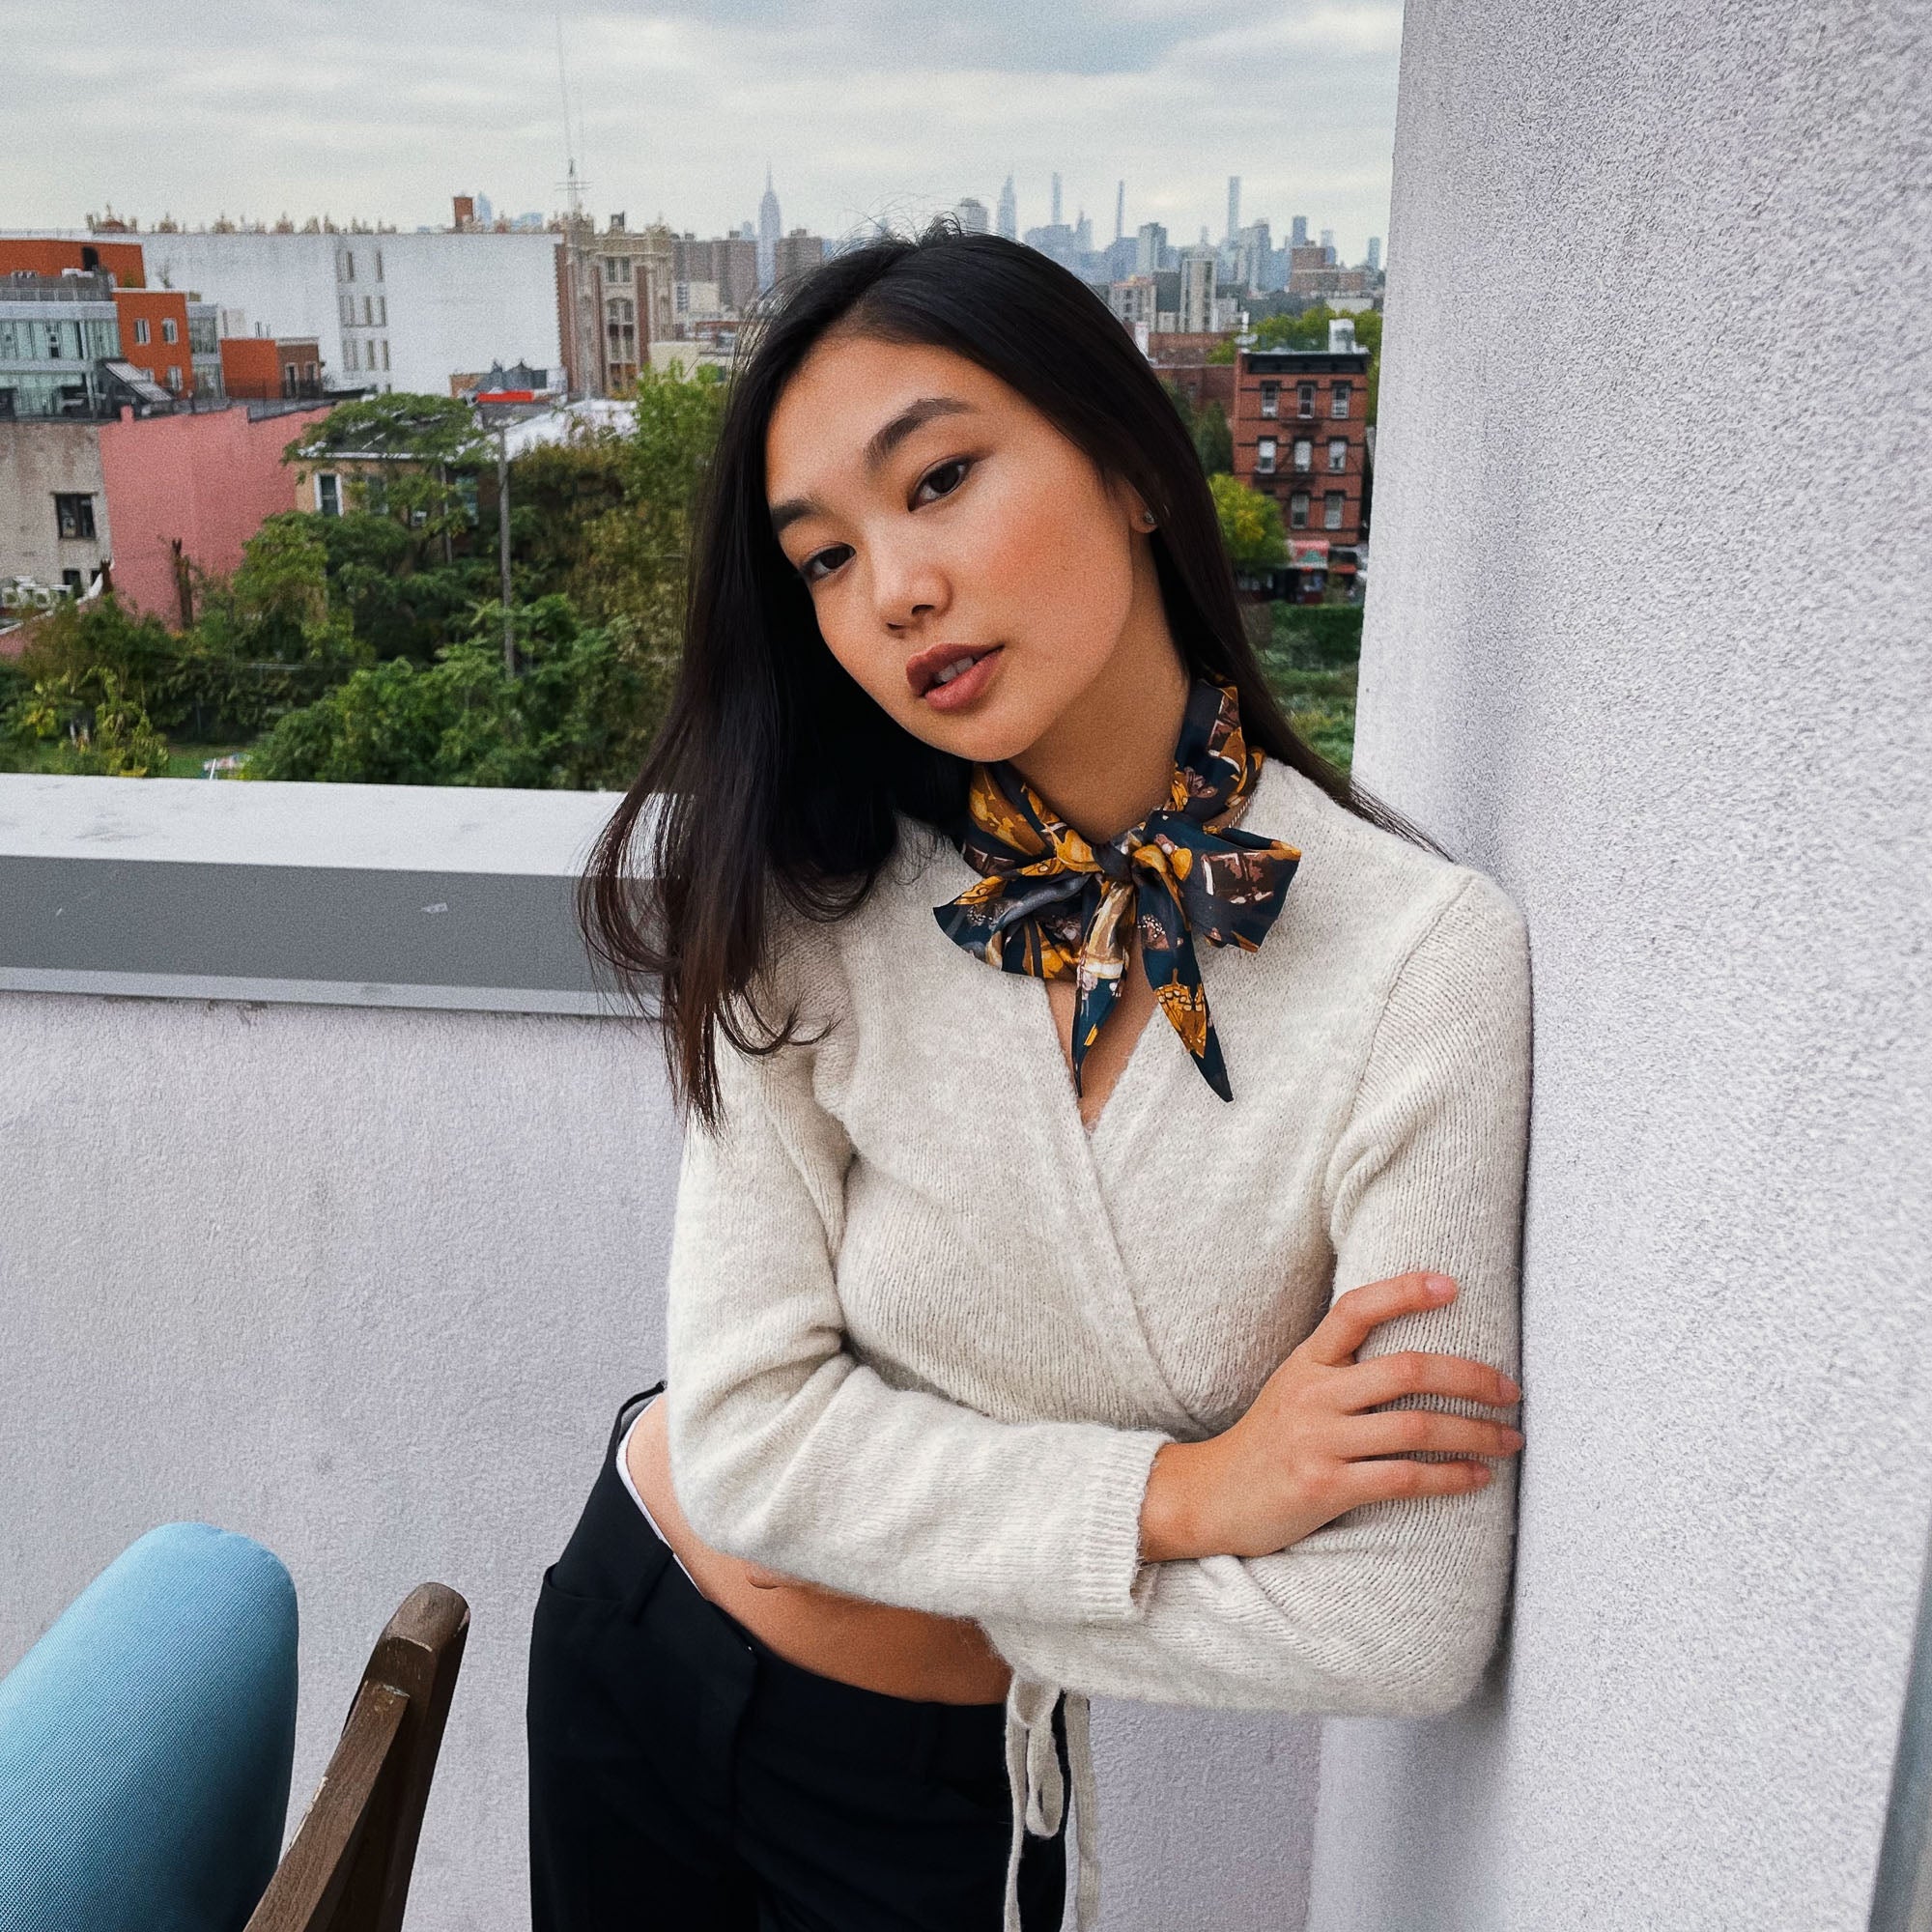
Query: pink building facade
[204, 480]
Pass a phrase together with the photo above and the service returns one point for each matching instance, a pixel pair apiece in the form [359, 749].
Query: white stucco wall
[1648, 640]
[367, 1282]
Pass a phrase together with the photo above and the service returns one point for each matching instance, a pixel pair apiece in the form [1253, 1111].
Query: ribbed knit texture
[927, 1332]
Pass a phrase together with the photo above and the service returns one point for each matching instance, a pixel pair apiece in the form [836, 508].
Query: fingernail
[1512, 1387]
[1441, 1287]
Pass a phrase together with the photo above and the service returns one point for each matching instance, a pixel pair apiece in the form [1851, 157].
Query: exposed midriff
[883, 1647]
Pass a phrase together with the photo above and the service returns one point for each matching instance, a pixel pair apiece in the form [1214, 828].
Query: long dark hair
[776, 778]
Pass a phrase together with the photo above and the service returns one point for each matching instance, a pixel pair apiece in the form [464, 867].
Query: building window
[1304, 453]
[169, 332]
[70, 583]
[173, 377]
[1339, 405]
[1338, 453]
[616, 267]
[1304, 399]
[329, 493]
[348, 351]
[1297, 510]
[141, 331]
[1264, 456]
[1331, 510]
[368, 311]
[1270, 399]
[348, 264]
[382, 311]
[379, 265]
[348, 307]
[73, 516]
[385, 351]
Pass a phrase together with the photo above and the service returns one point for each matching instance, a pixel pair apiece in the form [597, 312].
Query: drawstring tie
[1038, 1792]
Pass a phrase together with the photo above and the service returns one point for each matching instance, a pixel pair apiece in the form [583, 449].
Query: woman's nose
[907, 587]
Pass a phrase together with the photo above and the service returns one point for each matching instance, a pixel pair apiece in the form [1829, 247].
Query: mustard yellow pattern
[1055, 907]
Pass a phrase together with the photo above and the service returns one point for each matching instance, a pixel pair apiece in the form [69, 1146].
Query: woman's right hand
[1305, 1452]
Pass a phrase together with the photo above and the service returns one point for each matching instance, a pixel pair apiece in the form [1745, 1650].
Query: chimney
[1342, 336]
[465, 206]
[617, 223]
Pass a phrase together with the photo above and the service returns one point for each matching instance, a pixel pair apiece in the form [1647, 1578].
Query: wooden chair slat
[349, 1866]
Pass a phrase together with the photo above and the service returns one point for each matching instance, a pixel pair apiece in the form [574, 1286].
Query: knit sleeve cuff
[1109, 1581]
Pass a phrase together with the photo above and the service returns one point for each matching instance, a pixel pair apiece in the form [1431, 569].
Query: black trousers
[684, 1777]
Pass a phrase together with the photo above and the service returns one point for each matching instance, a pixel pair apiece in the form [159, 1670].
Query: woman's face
[939, 520]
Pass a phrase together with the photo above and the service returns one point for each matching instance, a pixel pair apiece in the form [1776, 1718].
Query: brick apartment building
[1300, 422]
[262, 368]
[1182, 360]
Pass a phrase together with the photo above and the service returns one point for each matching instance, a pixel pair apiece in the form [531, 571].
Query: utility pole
[503, 544]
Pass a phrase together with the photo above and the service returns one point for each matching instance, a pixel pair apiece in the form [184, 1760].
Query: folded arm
[788, 1451]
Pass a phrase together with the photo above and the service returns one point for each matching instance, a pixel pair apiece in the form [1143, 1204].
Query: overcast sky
[384, 108]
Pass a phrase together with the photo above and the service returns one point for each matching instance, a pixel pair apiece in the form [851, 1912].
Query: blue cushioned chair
[145, 1741]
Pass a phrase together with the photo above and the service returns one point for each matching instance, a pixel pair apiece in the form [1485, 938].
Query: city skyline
[677, 109]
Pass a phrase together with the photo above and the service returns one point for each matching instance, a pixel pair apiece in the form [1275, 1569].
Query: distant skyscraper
[1375, 253]
[1083, 234]
[1009, 211]
[771, 231]
[1150, 257]
[1297, 232]
[1120, 210]
[1233, 208]
[1056, 198]
[486, 216]
[972, 214]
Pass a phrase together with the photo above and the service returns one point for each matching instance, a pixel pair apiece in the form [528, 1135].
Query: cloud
[863, 107]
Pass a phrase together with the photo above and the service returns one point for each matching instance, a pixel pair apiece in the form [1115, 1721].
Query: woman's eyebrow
[889, 436]
[885, 439]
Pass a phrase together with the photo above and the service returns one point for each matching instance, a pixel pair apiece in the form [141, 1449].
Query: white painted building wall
[455, 303]
[1648, 640]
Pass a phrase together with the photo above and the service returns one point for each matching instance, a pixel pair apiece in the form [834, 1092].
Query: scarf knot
[1050, 903]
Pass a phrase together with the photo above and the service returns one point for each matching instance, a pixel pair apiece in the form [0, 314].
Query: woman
[1105, 1125]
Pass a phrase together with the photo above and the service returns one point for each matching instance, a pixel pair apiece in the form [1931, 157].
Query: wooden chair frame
[347, 1868]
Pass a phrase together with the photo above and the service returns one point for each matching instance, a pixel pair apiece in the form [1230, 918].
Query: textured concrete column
[1648, 640]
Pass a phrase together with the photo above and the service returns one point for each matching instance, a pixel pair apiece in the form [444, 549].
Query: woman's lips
[963, 690]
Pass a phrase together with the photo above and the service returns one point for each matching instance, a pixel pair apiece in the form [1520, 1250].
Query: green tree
[1251, 525]
[576, 716]
[1214, 439]
[425, 448]
[1206, 427]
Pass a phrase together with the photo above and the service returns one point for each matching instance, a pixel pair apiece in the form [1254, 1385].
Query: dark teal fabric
[145, 1743]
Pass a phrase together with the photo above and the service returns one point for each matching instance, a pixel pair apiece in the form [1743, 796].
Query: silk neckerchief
[1051, 904]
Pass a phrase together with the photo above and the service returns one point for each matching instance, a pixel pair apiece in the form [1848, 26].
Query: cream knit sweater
[926, 1331]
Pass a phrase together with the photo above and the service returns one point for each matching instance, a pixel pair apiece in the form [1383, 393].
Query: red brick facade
[45, 255]
[1300, 424]
[160, 315]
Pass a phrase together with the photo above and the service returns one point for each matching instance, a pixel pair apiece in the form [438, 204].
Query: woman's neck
[1107, 760]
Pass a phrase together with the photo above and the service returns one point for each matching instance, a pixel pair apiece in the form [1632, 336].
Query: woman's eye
[821, 563]
[944, 480]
